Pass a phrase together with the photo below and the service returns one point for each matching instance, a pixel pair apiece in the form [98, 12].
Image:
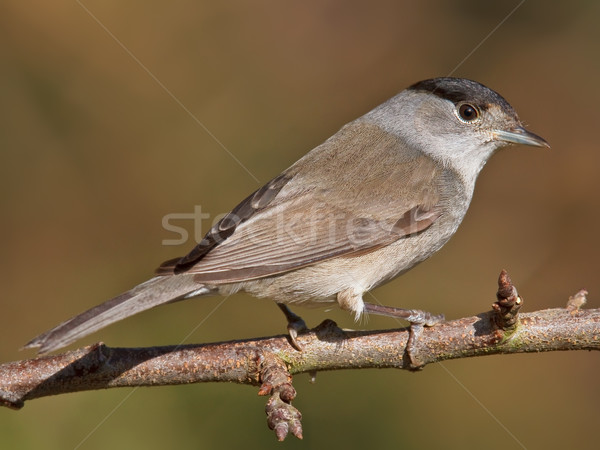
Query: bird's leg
[417, 318]
[295, 325]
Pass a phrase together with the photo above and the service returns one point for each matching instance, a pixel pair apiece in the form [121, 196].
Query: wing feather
[324, 206]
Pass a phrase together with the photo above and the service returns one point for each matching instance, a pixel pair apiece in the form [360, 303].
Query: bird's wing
[342, 199]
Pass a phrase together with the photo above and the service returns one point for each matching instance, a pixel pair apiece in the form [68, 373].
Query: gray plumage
[378, 197]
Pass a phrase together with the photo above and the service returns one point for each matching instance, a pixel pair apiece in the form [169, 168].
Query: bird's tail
[154, 292]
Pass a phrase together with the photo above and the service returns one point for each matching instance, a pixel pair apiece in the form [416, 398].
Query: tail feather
[154, 292]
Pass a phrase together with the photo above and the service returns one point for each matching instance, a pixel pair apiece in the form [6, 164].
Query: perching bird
[378, 197]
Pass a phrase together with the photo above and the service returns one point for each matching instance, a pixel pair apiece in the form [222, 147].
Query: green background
[96, 149]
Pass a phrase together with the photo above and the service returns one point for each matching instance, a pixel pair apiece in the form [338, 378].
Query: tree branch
[270, 362]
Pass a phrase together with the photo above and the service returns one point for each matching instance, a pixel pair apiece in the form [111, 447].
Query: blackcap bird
[378, 197]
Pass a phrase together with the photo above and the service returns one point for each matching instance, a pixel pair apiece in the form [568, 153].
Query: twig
[270, 362]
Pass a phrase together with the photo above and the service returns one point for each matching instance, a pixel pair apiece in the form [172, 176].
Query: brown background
[95, 152]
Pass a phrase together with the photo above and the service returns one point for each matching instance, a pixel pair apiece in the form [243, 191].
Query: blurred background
[116, 114]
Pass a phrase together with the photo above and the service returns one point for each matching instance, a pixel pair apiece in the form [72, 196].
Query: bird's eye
[468, 112]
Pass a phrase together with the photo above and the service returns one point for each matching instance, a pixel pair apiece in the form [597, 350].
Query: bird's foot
[417, 318]
[295, 326]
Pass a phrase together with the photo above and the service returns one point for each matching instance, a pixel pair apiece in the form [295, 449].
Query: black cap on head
[462, 90]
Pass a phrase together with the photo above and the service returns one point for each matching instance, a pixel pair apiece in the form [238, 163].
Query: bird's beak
[520, 135]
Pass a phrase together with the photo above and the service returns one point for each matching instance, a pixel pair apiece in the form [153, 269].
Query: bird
[381, 195]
